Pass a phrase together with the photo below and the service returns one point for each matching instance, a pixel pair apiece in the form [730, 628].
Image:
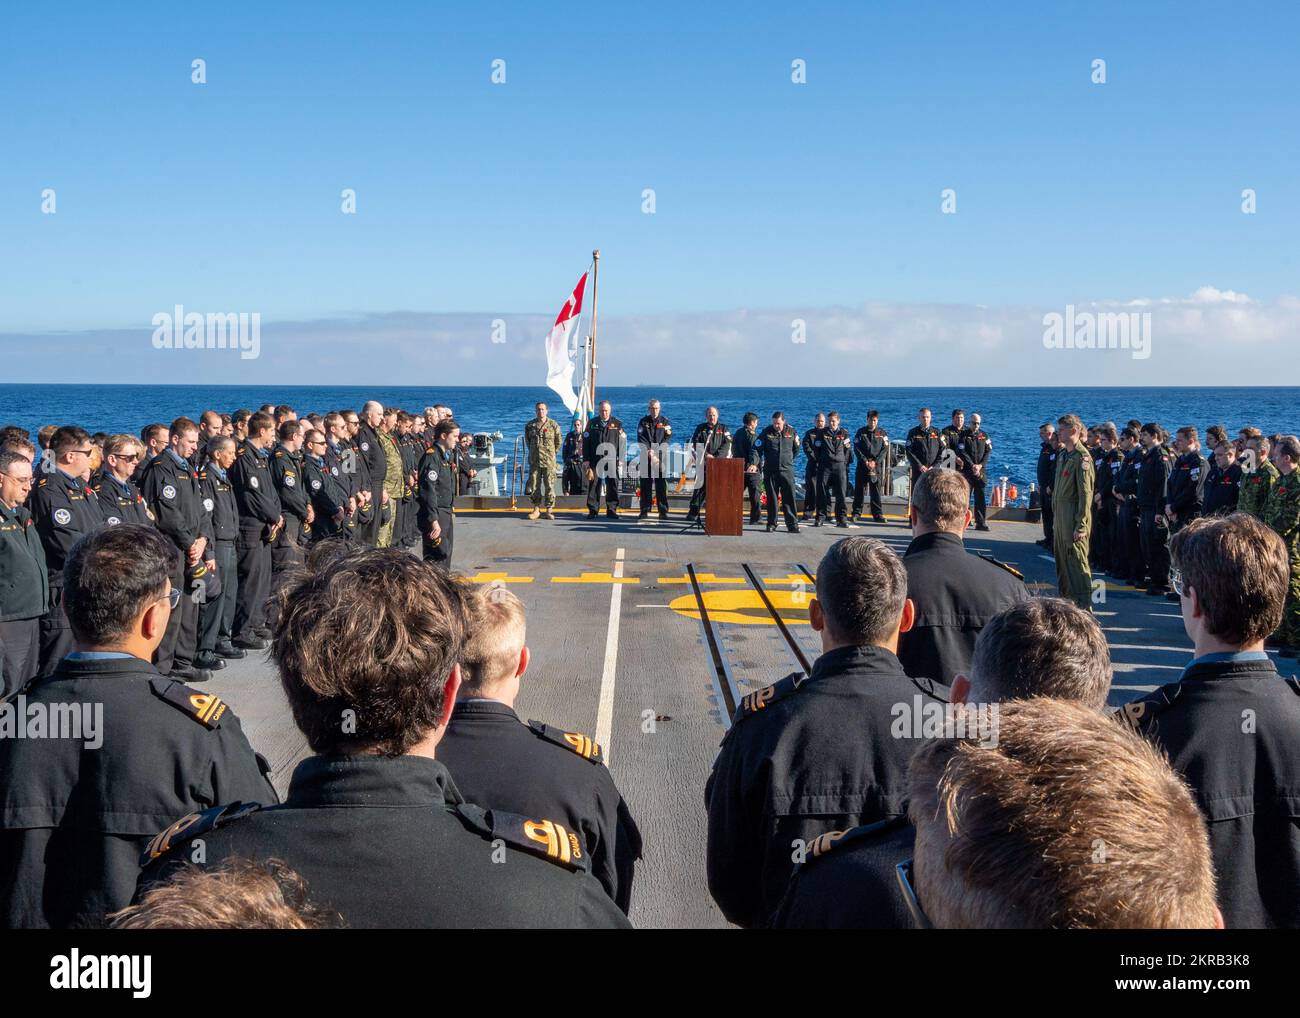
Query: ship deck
[645, 635]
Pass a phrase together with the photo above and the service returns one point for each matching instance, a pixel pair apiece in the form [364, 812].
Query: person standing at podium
[711, 440]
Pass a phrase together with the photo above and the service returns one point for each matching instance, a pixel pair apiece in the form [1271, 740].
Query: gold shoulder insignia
[547, 838]
[1137, 714]
[1003, 565]
[823, 843]
[190, 826]
[583, 745]
[205, 708]
[751, 703]
[834, 841]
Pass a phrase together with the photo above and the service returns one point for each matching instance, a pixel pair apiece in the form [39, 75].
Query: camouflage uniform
[1071, 511]
[394, 484]
[1282, 513]
[543, 441]
[1255, 486]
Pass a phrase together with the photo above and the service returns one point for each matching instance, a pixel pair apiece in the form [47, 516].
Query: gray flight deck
[621, 652]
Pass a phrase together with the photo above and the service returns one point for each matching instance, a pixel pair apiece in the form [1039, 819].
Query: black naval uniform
[603, 450]
[74, 820]
[849, 881]
[337, 459]
[64, 508]
[1231, 726]
[746, 448]
[924, 449]
[373, 467]
[120, 501]
[955, 594]
[286, 472]
[1127, 544]
[573, 479]
[387, 842]
[871, 451]
[259, 514]
[652, 434]
[329, 500]
[1222, 488]
[436, 497]
[812, 499]
[778, 449]
[217, 616]
[1187, 488]
[533, 769]
[1105, 526]
[24, 598]
[1153, 478]
[805, 756]
[973, 450]
[1046, 475]
[834, 447]
[171, 489]
[714, 441]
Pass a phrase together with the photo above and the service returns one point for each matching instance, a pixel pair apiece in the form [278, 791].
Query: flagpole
[595, 275]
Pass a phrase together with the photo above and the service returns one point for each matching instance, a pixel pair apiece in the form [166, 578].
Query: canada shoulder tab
[585, 746]
[933, 688]
[206, 708]
[547, 838]
[751, 703]
[190, 826]
[1003, 565]
[1138, 714]
[824, 844]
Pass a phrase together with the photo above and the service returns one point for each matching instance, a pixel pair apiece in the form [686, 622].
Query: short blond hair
[941, 498]
[496, 634]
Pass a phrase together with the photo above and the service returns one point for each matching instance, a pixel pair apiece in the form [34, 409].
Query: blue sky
[483, 199]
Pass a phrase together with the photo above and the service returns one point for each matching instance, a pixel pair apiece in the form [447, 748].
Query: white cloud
[1196, 339]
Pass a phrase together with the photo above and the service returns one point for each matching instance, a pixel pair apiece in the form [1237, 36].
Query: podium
[724, 495]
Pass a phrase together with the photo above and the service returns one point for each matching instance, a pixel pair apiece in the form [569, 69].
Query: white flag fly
[559, 361]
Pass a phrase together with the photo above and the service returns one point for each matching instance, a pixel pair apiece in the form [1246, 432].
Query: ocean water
[1011, 416]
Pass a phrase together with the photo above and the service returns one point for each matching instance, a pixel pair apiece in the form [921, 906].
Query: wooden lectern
[724, 496]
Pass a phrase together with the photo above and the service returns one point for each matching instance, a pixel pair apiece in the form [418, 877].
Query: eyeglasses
[172, 597]
[26, 481]
[919, 918]
[1176, 581]
[82, 452]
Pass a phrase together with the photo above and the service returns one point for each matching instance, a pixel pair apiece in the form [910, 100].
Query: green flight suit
[1072, 511]
[1282, 513]
[543, 441]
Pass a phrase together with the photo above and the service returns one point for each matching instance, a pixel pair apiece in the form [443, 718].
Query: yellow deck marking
[703, 578]
[595, 578]
[790, 580]
[745, 607]
[498, 578]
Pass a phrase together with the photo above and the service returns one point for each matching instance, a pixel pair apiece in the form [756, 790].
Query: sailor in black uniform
[64, 508]
[924, 446]
[77, 812]
[604, 449]
[779, 445]
[871, 450]
[652, 434]
[437, 494]
[746, 448]
[260, 520]
[711, 440]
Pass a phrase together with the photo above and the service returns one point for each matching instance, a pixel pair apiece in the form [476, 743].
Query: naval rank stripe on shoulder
[559, 842]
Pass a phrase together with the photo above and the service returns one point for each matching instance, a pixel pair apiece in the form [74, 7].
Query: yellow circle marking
[746, 608]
